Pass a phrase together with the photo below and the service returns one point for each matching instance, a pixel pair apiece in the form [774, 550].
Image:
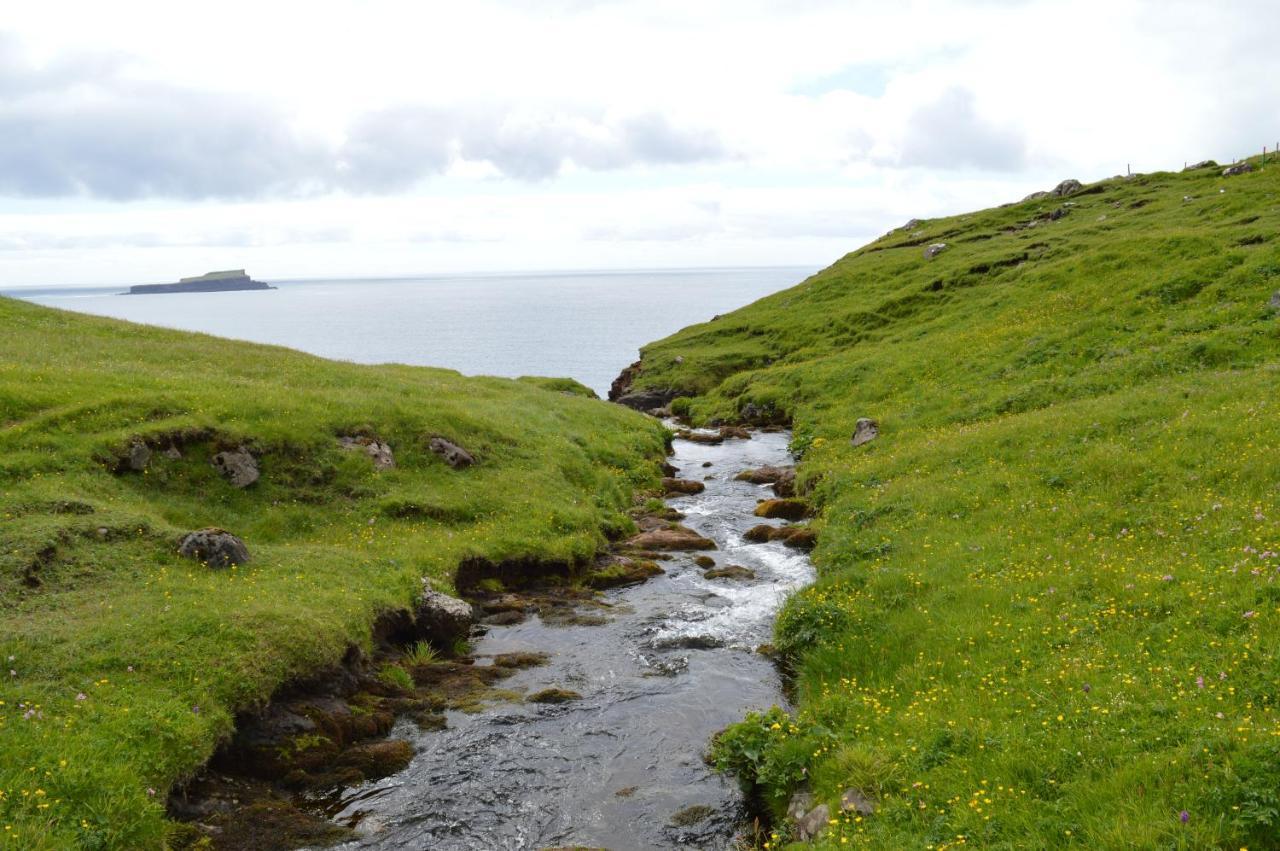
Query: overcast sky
[142, 141]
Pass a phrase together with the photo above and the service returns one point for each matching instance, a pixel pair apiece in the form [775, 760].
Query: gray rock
[1274, 304]
[801, 802]
[380, 453]
[1238, 168]
[911, 225]
[1066, 187]
[812, 824]
[237, 466]
[442, 619]
[453, 454]
[854, 801]
[865, 430]
[139, 456]
[1201, 164]
[647, 400]
[214, 547]
[934, 250]
[173, 453]
[1035, 196]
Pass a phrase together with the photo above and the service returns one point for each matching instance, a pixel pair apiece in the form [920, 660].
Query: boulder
[730, 571]
[1065, 188]
[379, 453]
[786, 483]
[1274, 304]
[865, 430]
[619, 571]
[708, 438]
[672, 538]
[1035, 196]
[853, 801]
[784, 509]
[812, 824]
[911, 225]
[237, 466]
[1201, 164]
[453, 454]
[704, 562]
[801, 802]
[441, 619]
[647, 400]
[139, 456]
[213, 547]
[735, 432]
[934, 250]
[760, 534]
[682, 486]
[1238, 168]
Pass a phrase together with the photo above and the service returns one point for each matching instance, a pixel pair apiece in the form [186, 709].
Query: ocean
[583, 325]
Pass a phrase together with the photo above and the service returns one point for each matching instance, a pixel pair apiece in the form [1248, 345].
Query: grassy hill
[122, 662]
[1049, 603]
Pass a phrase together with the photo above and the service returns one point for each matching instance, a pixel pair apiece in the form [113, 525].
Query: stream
[674, 664]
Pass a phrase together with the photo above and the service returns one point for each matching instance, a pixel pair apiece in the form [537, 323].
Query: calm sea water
[585, 325]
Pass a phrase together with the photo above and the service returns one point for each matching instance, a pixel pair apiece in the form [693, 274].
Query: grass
[123, 665]
[1048, 604]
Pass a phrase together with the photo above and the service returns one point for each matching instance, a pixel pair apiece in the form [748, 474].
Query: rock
[785, 509]
[647, 400]
[703, 437]
[441, 619]
[620, 571]
[378, 452]
[731, 571]
[798, 537]
[934, 250]
[1035, 196]
[812, 824]
[673, 538]
[1274, 304]
[554, 695]
[760, 534]
[1238, 168]
[706, 463]
[1201, 164]
[1065, 188]
[621, 385]
[682, 486]
[786, 483]
[214, 547]
[174, 453]
[801, 802]
[765, 475]
[865, 430]
[139, 456]
[453, 454]
[704, 562]
[237, 466]
[735, 432]
[853, 801]
[679, 359]
[911, 225]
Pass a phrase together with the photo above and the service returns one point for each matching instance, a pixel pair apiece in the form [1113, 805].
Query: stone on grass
[865, 430]
[1066, 187]
[379, 453]
[1274, 304]
[812, 824]
[853, 801]
[237, 466]
[214, 547]
[453, 454]
[1238, 168]
[934, 250]
[139, 456]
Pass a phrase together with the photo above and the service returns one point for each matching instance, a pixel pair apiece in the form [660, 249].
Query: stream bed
[674, 663]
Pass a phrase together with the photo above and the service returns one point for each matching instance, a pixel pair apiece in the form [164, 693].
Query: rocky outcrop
[1238, 168]
[865, 430]
[211, 282]
[934, 250]
[1201, 164]
[441, 619]
[214, 548]
[622, 384]
[453, 454]
[645, 401]
[1066, 188]
[379, 453]
[674, 537]
[237, 466]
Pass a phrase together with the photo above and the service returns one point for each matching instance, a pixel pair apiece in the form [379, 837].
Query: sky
[145, 141]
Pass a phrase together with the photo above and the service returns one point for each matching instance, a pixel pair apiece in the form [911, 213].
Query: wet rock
[377, 759]
[853, 801]
[682, 486]
[622, 571]
[704, 437]
[554, 695]
[214, 547]
[675, 537]
[139, 456]
[812, 824]
[732, 571]
[705, 562]
[237, 466]
[647, 400]
[736, 432]
[934, 250]
[865, 430]
[706, 463]
[1238, 168]
[441, 619]
[453, 454]
[379, 453]
[691, 815]
[782, 478]
[1066, 187]
[799, 537]
[784, 509]
[508, 618]
[760, 534]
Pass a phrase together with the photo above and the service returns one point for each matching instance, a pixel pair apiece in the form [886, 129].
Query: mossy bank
[1049, 594]
[124, 662]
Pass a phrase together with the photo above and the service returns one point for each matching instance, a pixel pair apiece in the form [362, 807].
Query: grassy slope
[1048, 607]
[163, 650]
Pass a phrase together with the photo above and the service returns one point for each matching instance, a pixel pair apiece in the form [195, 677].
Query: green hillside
[124, 663]
[1048, 606]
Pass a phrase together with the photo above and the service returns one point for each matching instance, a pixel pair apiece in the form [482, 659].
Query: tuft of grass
[1047, 611]
[129, 663]
[420, 654]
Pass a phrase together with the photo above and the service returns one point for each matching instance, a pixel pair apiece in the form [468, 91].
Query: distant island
[213, 282]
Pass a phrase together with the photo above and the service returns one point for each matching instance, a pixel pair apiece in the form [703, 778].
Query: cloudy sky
[141, 141]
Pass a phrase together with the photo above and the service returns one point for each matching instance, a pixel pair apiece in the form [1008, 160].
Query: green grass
[129, 662]
[1049, 594]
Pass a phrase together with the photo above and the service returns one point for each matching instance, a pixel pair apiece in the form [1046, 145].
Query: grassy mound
[124, 663]
[1049, 599]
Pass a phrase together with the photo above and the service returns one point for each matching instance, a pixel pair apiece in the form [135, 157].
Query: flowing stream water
[674, 664]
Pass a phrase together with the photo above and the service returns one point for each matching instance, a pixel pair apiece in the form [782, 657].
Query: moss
[554, 695]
